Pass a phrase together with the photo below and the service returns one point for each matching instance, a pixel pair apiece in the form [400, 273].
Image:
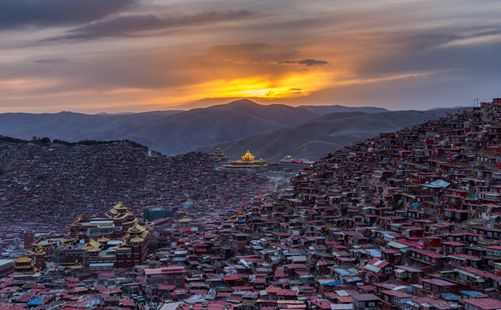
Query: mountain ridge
[170, 132]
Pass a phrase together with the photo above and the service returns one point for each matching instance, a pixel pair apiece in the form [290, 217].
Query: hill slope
[316, 138]
[48, 185]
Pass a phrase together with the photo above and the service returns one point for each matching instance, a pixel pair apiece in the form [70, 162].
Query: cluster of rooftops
[47, 186]
[405, 220]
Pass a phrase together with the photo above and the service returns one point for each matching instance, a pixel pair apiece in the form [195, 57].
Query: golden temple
[248, 161]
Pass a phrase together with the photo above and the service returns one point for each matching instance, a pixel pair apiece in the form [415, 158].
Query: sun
[294, 85]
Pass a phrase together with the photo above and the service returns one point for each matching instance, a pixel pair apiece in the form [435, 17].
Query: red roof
[398, 294]
[9, 307]
[215, 306]
[322, 304]
[286, 293]
[126, 302]
[480, 273]
[466, 256]
[427, 253]
[379, 263]
[439, 282]
[484, 303]
[233, 277]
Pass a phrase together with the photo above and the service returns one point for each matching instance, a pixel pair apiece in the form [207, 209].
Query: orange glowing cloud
[292, 85]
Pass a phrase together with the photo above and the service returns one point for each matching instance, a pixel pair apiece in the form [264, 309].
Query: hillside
[72, 126]
[316, 138]
[46, 184]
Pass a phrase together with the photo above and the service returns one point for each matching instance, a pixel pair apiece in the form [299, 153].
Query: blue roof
[374, 253]
[342, 272]
[450, 296]
[416, 205]
[346, 271]
[437, 184]
[35, 302]
[471, 293]
[331, 283]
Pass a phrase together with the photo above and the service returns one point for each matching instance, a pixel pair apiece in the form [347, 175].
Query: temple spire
[248, 156]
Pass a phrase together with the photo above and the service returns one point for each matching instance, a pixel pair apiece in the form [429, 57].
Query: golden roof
[92, 246]
[118, 208]
[23, 260]
[136, 240]
[248, 156]
[136, 229]
[247, 160]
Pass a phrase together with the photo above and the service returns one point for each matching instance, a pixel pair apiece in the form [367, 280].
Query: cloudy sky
[137, 55]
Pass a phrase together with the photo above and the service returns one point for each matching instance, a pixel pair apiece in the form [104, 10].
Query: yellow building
[136, 234]
[248, 161]
[120, 213]
[24, 265]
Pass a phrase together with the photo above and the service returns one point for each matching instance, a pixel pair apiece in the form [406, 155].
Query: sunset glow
[296, 85]
[137, 55]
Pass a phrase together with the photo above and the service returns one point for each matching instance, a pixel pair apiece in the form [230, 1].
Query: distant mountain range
[271, 131]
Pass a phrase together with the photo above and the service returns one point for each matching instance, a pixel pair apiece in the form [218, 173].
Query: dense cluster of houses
[43, 188]
[406, 220]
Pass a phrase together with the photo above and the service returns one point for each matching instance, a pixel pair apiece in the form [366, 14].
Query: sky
[138, 55]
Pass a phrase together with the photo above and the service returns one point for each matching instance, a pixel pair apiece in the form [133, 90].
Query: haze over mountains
[271, 131]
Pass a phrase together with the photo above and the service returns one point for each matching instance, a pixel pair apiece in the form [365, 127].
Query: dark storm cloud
[433, 52]
[306, 62]
[46, 13]
[136, 25]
